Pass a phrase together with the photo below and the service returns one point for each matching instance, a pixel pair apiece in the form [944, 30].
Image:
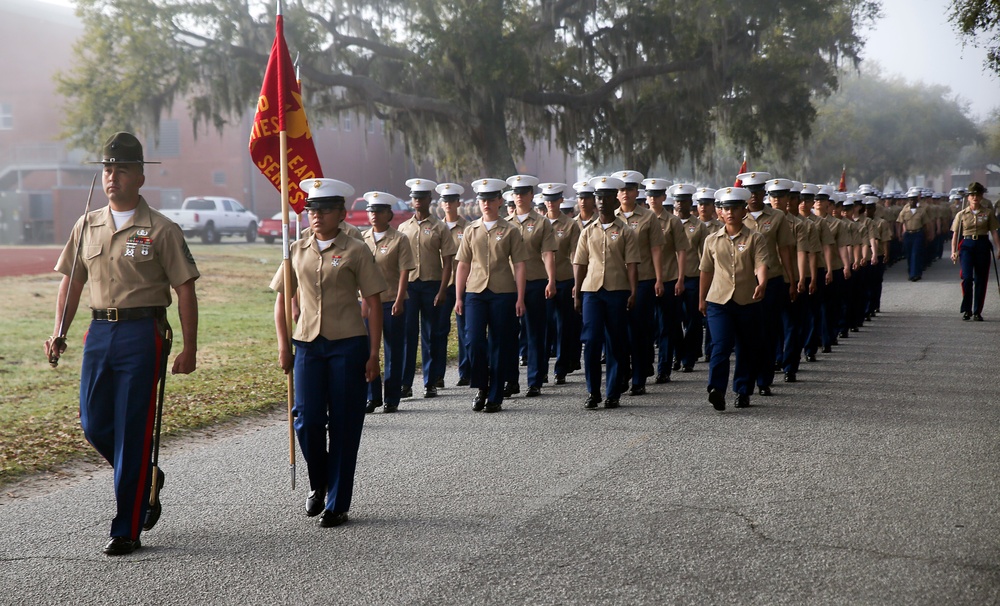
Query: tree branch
[584, 100]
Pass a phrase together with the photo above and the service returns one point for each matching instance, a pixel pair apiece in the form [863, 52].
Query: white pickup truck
[212, 217]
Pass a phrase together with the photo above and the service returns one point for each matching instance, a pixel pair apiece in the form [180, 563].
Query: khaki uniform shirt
[696, 233]
[641, 222]
[866, 228]
[733, 263]
[967, 223]
[806, 234]
[777, 233]
[539, 238]
[585, 224]
[135, 266]
[491, 255]
[674, 239]
[327, 284]
[457, 233]
[430, 242]
[841, 238]
[914, 221]
[826, 240]
[607, 253]
[713, 226]
[567, 233]
[392, 255]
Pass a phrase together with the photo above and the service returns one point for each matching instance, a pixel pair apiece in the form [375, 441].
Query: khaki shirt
[539, 238]
[826, 240]
[777, 234]
[865, 227]
[713, 226]
[491, 255]
[641, 222]
[674, 239]
[585, 224]
[733, 263]
[914, 221]
[696, 233]
[430, 242]
[841, 238]
[806, 234]
[457, 233]
[327, 285]
[607, 253]
[347, 228]
[967, 223]
[135, 266]
[392, 255]
[567, 233]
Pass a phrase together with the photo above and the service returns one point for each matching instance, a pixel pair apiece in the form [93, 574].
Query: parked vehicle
[270, 229]
[212, 217]
[358, 216]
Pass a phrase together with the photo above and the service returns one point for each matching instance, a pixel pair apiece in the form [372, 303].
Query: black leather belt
[114, 314]
[914, 231]
[973, 237]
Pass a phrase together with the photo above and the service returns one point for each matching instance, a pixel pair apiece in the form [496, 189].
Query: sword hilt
[56, 346]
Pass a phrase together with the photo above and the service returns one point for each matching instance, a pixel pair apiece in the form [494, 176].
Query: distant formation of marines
[641, 277]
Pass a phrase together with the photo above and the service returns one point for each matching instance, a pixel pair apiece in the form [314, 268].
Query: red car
[358, 216]
[270, 229]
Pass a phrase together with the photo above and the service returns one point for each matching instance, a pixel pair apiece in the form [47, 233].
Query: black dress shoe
[462, 382]
[637, 390]
[677, 365]
[406, 392]
[764, 391]
[612, 403]
[480, 402]
[493, 407]
[371, 406]
[844, 335]
[592, 401]
[717, 398]
[533, 391]
[121, 546]
[524, 360]
[790, 377]
[560, 379]
[331, 519]
[545, 379]
[439, 383]
[154, 511]
[511, 388]
[742, 401]
[812, 357]
[430, 391]
[854, 329]
[827, 349]
[977, 317]
[389, 408]
[315, 502]
[966, 316]
[688, 369]
[661, 379]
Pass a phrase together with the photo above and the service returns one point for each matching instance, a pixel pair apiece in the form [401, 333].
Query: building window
[219, 177]
[6, 116]
[168, 144]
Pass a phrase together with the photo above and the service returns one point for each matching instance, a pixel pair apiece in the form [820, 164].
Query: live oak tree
[881, 128]
[466, 81]
[975, 18]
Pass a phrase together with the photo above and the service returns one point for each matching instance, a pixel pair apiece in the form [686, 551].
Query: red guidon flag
[843, 180]
[743, 169]
[279, 108]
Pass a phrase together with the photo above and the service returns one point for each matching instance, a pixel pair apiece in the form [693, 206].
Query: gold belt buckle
[112, 314]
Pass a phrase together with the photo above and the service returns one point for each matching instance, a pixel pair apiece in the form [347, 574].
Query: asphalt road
[874, 480]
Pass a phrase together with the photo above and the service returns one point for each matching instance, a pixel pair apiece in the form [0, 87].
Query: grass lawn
[237, 359]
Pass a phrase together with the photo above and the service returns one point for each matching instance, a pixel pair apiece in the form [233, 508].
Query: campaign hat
[122, 148]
